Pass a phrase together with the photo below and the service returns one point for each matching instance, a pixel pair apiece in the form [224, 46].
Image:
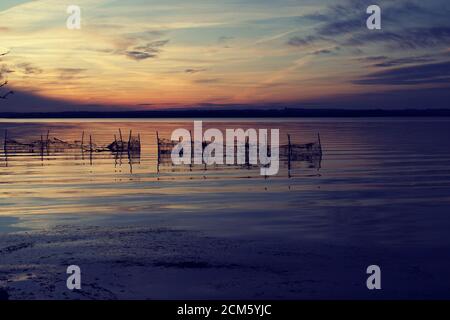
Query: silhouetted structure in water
[51, 145]
[133, 144]
[290, 153]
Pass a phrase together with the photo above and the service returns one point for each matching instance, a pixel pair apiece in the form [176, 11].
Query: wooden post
[42, 148]
[289, 145]
[5, 147]
[289, 154]
[48, 141]
[139, 148]
[129, 141]
[320, 143]
[157, 144]
[157, 150]
[247, 151]
[82, 140]
[91, 150]
[192, 150]
[6, 140]
[121, 140]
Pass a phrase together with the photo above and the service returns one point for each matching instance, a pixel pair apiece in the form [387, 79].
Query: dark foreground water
[379, 195]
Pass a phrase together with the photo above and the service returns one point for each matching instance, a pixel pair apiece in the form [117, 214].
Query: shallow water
[381, 181]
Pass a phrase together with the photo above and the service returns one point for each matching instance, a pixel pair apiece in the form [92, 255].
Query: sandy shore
[135, 262]
[148, 263]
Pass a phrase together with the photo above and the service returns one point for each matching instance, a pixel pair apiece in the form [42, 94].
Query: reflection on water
[380, 180]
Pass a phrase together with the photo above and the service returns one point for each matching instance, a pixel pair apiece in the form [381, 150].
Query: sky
[147, 54]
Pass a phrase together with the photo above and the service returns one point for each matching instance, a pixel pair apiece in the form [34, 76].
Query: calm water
[380, 181]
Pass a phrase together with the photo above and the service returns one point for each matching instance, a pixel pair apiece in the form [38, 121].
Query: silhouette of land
[245, 113]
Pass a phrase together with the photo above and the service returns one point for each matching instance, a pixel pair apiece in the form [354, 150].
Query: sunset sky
[145, 54]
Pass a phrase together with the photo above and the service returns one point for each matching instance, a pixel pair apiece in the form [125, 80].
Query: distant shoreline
[247, 113]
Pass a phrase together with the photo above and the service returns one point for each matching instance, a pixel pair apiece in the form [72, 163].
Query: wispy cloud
[28, 68]
[436, 73]
[193, 70]
[4, 71]
[276, 37]
[303, 41]
[345, 24]
[411, 39]
[207, 81]
[70, 73]
[403, 61]
[328, 51]
[224, 39]
[147, 51]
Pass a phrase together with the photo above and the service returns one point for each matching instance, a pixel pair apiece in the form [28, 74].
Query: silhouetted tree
[3, 85]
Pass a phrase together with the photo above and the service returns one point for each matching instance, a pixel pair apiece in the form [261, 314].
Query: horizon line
[223, 113]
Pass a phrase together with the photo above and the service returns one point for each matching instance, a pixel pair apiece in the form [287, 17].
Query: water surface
[380, 182]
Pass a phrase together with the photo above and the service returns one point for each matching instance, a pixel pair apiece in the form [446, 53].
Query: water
[383, 182]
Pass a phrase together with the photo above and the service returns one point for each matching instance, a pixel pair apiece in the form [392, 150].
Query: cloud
[153, 46]
[426, 98]
[392, 99]
[345, 26]
[343, 18]
[276, 37]
[403, 61]
[435, 73]
[192, 71]
[4, 71]
[28, 68]
[388, 99]
[207, 81]
[331, 51]
[303, 41]
[147, 35]
[145, 104]
[407, 39]
[147, 51]
[383, 61]
[139, 55]
[70, 73]
[224, 39]
[24, 101]
[373, 58]
[316, 17]
[350, 17]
